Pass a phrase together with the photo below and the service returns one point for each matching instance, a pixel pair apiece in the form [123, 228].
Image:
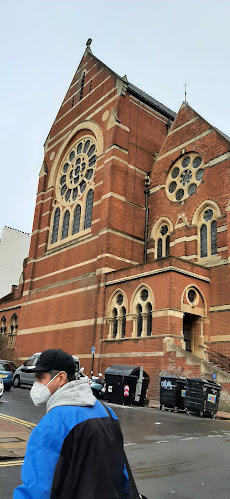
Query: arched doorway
[193, 307]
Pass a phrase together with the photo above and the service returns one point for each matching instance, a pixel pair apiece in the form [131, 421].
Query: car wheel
[201, 413]
[213, 415]
[17, 382]
[7, 387]
[187, 411]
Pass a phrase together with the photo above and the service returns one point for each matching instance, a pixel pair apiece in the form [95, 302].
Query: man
[76, 451]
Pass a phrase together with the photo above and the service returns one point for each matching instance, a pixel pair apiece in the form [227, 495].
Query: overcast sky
[158, 44]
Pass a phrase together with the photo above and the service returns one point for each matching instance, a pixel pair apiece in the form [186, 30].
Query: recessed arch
[157, 225]
[84, 125]
[111, 302]
[205, 204]
[194, 286]
[136, 296]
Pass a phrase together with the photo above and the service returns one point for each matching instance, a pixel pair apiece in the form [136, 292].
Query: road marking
[17, 420]
[162, 442]
[131, 443]
[5, 464]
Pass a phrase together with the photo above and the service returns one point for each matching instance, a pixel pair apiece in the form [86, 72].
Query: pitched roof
[137, 92]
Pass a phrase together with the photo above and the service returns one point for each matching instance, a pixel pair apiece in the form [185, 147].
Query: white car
[1, 387]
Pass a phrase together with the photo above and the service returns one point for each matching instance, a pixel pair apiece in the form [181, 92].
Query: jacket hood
[77, 392]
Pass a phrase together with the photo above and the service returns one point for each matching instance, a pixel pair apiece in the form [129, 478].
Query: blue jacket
[75, 452]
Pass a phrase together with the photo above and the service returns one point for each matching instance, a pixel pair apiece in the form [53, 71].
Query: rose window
[76, 170]
[184, 177]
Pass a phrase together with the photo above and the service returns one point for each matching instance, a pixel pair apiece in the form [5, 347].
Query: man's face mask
[40, 393]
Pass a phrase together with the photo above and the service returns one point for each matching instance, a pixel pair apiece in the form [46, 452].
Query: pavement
[14, 433]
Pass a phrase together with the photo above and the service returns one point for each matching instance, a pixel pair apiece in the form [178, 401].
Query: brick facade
[93, 287]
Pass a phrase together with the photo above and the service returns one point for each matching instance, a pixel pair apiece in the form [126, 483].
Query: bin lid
[203, 381]
[173, 376]
[124, 370]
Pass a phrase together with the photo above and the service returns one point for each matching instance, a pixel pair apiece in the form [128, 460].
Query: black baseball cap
[54, 359]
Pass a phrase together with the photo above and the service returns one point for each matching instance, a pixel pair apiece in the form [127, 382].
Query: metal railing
[217, 358]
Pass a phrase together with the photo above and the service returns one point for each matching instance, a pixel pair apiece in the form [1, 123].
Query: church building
[130, 248]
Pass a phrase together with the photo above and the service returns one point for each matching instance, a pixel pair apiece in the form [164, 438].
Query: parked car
[1, 387]
[28, 378]
[6, 373]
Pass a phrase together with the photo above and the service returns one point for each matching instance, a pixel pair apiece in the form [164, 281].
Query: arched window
[163, 241]
[167, 246]
[123, 321]
[76, 219]
[203, 241]
[65, 225]
[13, 331]
[159, 248]
[116, 315]
[82, 85]
[139, 319]
[88, 209]
[55, 226]
[3, 325]
[74, 190]
[213, 237]
[149, 319]
[114, 323]
[208, 233]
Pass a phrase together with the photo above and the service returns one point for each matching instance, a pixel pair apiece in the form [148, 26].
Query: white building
[14, 247]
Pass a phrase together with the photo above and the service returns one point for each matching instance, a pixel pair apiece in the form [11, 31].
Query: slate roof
[137, 92]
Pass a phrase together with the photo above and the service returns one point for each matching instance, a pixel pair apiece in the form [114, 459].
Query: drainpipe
[146, 191]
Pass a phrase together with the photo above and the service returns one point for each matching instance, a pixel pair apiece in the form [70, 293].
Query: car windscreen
[4, 367]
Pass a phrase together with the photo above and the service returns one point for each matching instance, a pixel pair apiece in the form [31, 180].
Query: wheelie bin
[202, 397]
[172, 392]
[126, 384]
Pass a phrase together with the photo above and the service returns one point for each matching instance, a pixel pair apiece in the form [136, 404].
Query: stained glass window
[213, 237]
[159, 248]
[76, 219]
[65, 225]
[203, 241]
[88, 209]
[167, 246]
[55, 226]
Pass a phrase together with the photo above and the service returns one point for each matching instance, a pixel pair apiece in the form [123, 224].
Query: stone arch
[111, 301]
[158, 238]
[135, 296]
[116, 315]
[141, 309]
[194, 309]
[84, 125]
[205, 204]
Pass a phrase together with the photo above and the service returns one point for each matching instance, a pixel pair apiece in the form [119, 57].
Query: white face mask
[40, 393]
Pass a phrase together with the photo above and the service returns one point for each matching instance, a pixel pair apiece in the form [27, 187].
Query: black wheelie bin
[202, 397]
[126, 384]
[172, 392]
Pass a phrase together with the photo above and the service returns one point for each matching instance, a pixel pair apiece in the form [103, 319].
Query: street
[171, 455]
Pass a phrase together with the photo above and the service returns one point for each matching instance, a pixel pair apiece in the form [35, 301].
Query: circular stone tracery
[184, 177]
[76, 171]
